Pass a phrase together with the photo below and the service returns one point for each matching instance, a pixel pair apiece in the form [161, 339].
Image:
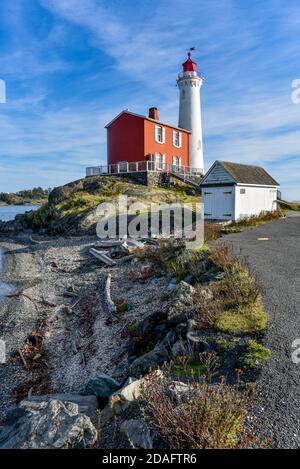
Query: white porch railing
[140, 166]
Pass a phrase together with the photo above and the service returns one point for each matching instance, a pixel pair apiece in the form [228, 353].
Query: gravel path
[276, 264]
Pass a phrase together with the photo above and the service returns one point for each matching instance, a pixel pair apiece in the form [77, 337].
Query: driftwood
[22, 358]
[102, 257]
[109, 302]
[110, 243]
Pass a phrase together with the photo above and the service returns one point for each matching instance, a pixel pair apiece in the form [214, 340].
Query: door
[227, 205]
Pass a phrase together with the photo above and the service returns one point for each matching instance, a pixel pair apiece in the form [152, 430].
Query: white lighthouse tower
[189, 83]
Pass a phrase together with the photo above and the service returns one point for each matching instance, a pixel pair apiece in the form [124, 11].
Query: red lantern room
[189, 65]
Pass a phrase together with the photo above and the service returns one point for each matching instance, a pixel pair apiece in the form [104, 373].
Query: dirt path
[276, 264]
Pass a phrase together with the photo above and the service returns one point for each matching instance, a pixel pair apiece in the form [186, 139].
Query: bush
[203, 417]
[256, 355]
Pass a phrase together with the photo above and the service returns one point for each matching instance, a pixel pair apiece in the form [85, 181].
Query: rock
[194, 338]
[178, 349]
[178, 391]
[182, 308]
[146, 326]
[172, 285]
[155, 358]
[49, 425]
[101, 386]
[138, 433]
[212, 277]
[120, 400]
[143, 364]
[87, 405]
[189, 279]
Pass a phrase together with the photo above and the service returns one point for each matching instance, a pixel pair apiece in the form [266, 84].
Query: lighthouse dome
[189, 65]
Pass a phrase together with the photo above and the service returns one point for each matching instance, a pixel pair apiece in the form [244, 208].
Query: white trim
[175, 134]
[163, 134]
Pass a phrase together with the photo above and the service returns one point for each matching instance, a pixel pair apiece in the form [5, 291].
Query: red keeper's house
[135, 138]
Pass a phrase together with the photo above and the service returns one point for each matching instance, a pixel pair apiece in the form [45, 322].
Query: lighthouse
[189, 83]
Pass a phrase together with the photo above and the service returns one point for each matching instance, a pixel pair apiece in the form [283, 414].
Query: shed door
[208, 204]
[227, 204]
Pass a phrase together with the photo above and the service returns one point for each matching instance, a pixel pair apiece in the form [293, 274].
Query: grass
[256, 355]
[292, 206]
[188, 366]
[235, 305]
[249, 319]
[254, 220]
[131, 329]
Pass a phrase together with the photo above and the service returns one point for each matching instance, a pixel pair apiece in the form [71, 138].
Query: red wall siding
[131, 138]
[125, 139]
[167, 148]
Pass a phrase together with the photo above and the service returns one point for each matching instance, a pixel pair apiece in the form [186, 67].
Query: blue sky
[71, 65]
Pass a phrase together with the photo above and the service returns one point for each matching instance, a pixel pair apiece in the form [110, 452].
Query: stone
[49, 425]
[178, 391]
[87, 405]
[178, 349]
[138, 433]
[182, 308]
[143, 364]
[194, 338]
[119, 401]
[101, 386]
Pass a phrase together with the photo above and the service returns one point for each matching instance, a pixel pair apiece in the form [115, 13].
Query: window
[177, 138]
[242, 191]
[176, 163]
[160, 159]
[160, 134]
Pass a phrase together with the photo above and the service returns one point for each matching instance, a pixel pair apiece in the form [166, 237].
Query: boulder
[182, 308]
[87, 405]
[101, 386]
[138, 433]
[195, 339]
[49, 425]
[119, 401]
[153, 359]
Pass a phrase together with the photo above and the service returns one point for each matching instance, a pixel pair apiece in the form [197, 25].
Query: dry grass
[203, 417]
[256, 220]
[235, 304]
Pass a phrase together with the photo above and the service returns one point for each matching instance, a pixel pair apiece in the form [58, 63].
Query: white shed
[232, 191]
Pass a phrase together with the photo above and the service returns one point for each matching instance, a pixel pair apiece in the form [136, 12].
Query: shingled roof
[247, 174]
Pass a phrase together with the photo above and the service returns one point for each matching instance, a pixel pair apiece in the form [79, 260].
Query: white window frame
[177, 135]
[160, 134]
[176, 162]
[160, 161]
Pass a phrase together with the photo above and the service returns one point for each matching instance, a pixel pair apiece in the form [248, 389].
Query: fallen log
[102, 257]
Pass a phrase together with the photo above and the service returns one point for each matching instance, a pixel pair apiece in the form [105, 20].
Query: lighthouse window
[177, 138]
[159, 134]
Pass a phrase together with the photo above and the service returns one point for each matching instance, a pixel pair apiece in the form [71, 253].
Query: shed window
[242, 191]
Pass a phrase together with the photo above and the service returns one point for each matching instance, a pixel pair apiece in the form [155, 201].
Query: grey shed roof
[247, 174]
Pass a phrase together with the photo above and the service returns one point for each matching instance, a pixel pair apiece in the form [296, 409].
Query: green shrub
[256, 355]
